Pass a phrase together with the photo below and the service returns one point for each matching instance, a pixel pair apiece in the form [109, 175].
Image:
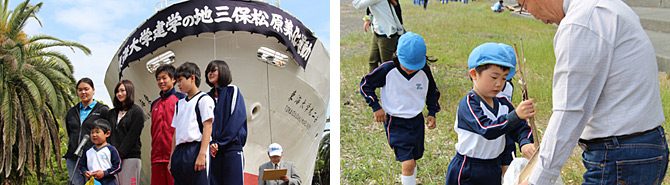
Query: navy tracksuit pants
[227, 167]
[183, 164]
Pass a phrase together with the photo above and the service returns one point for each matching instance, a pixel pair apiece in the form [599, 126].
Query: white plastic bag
[514, 170]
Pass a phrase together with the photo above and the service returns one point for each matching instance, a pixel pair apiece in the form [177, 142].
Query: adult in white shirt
[386, 26]
[605, 95]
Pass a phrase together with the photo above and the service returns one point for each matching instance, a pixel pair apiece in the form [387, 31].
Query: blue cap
[494, 53]
[411, 51]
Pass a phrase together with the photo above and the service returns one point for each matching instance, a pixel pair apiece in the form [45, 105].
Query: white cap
[275, 149]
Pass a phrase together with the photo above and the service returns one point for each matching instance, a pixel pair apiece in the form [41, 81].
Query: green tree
[36, 89]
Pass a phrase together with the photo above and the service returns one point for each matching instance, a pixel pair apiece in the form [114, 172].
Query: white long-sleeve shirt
[384, 18]
[605, 81]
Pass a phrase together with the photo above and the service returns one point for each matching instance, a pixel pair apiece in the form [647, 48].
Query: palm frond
[21, 135]
[47, 91]
[20, 16]
[53, 59]
[31, 89]
[57, 43]
[31, 114]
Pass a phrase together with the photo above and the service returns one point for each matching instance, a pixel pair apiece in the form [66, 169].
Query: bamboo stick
[521, 62]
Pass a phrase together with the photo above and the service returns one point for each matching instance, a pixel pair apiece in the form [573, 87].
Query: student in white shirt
[605, 95]
[193, 127]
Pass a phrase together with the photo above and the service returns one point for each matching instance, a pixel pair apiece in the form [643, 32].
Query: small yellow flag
[91, 181]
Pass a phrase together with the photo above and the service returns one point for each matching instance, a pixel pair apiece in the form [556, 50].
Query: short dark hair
[101, 124]
[86, 80]
[481, 68]
[396, 61]
[167, 68]
[130, 95]
[187, 69]
[224, 77]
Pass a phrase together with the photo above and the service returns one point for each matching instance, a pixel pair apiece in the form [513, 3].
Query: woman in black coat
[78, 122]
[127, 119]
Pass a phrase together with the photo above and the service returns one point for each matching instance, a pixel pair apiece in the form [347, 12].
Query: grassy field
[451, 32]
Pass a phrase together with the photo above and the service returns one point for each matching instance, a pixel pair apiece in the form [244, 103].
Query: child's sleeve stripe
[363, 92]
[118, 168]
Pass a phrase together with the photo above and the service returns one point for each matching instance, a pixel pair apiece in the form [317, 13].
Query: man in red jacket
[162, 111]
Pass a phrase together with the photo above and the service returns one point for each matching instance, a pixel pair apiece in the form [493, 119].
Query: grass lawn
[451, 32]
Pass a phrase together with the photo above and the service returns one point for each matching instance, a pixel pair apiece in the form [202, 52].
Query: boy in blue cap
[406, 84]
[484, 120]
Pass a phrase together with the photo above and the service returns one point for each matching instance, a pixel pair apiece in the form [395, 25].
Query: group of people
[605, 93]
[182, 124]
[94, 118]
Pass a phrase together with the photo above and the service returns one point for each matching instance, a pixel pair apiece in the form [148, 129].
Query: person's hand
[87, 174]
[170, 164]
[284, 178]
[200, 162]
[528, 150]
[430, 122]
[524, 182]
[366, 25]
[213, 148]
[98, 174]
[380, 115]
[526, 109]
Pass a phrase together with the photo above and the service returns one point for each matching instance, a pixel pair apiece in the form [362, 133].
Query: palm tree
[36, 89]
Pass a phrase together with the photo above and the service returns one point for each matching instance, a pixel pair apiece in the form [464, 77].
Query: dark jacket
[229, 128]
[76, 130]
[126, 134]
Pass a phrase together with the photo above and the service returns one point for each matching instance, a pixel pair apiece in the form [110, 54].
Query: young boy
[102, 160]
[407, 84]
[193, 127]
[483, 120]
[162, 110]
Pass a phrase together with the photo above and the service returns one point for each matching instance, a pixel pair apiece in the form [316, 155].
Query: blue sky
[102, 25]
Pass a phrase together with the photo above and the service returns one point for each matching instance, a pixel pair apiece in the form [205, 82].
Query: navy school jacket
[481, 128]
[229, 128]
[403, 95]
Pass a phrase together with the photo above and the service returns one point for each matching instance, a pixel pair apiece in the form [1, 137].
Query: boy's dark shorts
[471, 171]
[405, 136]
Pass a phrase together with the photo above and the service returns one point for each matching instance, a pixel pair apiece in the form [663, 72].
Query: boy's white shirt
[384, 20]
[507, 91]
[404, 98]
[98, 160]
[185, 121]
